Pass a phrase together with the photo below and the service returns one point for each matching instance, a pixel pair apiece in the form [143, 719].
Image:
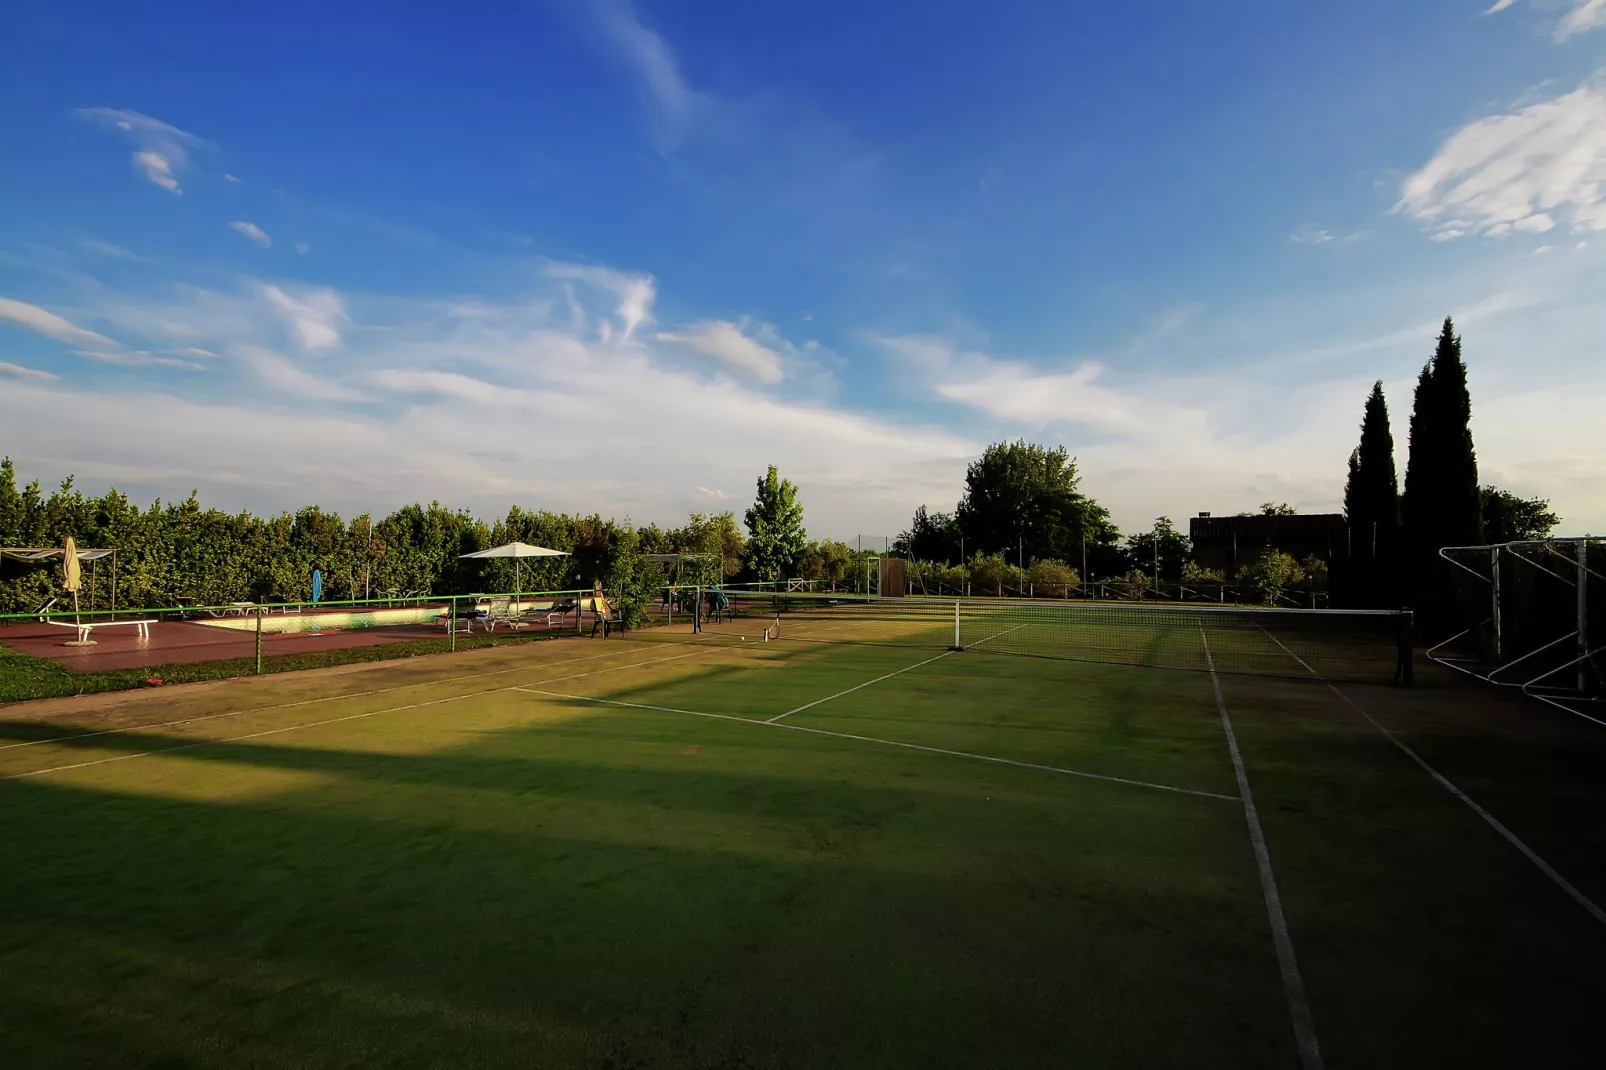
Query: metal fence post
[260, 612]
[451, 623]
[956, 625]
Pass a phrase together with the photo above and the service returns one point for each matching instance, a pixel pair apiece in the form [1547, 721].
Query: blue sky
[613, 257]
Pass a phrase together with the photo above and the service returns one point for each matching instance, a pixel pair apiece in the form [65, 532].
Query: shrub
[1052, 578]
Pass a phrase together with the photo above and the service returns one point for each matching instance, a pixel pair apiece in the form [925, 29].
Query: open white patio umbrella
[517, 551]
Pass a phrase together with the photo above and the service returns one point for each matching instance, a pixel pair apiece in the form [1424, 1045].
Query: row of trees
[172, 553]
[1395, 538]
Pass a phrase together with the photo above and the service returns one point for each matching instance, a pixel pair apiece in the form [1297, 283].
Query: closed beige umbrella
[72, 578]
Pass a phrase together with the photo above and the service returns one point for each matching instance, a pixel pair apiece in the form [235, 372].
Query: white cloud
[301, 248]
[17, 371]
[285, 376]
[161, 150]
[49, 324]
[229, 178]
[1014, 392]
[1586, 15]
[137, 358]
[252, 231]
[725, 342]
[313, 317]
[157, 168]
[484, 403]
[193, 351]
[636, 293]
[1525, 170]
[1581, 17]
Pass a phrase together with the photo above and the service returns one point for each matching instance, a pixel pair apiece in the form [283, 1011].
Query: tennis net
[1359, 645]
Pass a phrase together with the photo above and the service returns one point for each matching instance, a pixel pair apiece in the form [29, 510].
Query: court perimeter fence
[262, 637]
[197, 642]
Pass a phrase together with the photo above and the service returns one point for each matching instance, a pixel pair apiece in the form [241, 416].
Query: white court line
[1590, 906]
[1310, 1053]
[884, 742]
[333, 720]
[856, 687]
[299, 702]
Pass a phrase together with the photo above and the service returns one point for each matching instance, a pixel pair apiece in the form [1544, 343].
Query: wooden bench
[144, 626]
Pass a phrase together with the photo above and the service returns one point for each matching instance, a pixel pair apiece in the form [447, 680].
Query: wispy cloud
[116, 252]
[50, 325]
[253, 232]
[636, 293]
[229, 178]
[314, 317]
[301, 248]
[1310, 234]
[1581, 15]
[17, 371]
[1529, 170]
[654, 62]
[136, 358]
[724, 342]
[161, 149]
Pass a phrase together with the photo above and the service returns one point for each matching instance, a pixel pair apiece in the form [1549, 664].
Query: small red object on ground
[153, 681]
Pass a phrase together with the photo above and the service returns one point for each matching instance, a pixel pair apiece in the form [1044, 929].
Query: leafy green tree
[1052, 578]
[991, 573]
[1272, 509]
[1198, 574]
[827, 561]
[1024, 500]
[1273, 573]
[776, 538]
[1508, 518]
[716, 534]
[1172, 547]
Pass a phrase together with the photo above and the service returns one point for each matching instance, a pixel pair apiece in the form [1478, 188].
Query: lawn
[595, 854]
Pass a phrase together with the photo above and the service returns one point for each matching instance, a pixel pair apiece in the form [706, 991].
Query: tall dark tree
[931, 537]
[1441, 505]
[1372, 495]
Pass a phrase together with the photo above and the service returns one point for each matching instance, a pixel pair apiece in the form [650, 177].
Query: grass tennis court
[578, 853]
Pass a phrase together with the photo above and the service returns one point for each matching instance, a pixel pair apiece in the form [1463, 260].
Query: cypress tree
[1372, 496]
[1372, 504]
[1441, 506]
